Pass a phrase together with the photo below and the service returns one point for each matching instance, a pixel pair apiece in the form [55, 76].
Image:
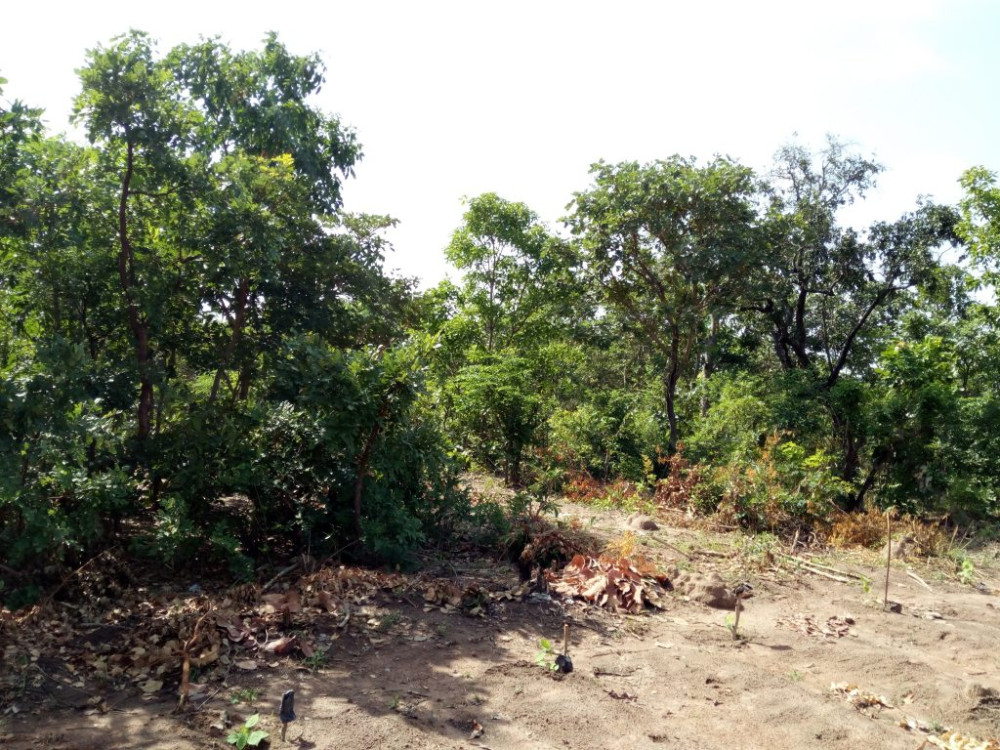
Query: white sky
[453, 99]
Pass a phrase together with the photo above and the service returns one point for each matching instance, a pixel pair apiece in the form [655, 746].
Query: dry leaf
[151, 686]
[281, 646]
[326, 601]
[477, 730]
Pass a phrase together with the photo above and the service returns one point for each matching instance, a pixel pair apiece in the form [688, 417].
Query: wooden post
[888, 555]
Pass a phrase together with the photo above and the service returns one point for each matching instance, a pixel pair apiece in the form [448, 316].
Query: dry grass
[865, 529]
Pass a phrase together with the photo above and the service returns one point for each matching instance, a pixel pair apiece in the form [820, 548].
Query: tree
[980, 223]
[228, 142]
[670, 244]
[19, 125]
[518, 300]
[518, 277]
[825, 291]
[168, 295]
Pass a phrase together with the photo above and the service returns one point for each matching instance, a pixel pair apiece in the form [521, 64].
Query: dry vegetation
[463, 653]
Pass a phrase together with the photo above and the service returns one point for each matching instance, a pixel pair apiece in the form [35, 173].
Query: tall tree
[225, 174]
[516, 273]
[825, 289]
[671, 245]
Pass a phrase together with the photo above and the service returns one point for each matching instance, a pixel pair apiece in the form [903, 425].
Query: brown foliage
[675, 490]
[864, 529]
[613, 584]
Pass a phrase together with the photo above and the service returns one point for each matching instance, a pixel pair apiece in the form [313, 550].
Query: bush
[782, 487]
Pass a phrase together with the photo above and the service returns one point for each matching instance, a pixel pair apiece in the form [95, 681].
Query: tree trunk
[366, 453]
[709, 365]
[845, 432]
[239, 320]
[670, 388]
[138, 326]
[362, 463]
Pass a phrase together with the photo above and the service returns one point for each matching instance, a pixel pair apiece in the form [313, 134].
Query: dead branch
[819, 569]
[669, 546]
[48, 599]
[282, 572]
[918, 579]
[186, 656]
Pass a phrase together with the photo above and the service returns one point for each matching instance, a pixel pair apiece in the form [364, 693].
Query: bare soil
[818, 663]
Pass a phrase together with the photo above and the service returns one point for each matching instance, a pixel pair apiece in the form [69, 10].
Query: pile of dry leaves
[618, 585]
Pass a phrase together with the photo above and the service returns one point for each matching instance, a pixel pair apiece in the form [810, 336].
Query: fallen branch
[713, 553]
[820, 569]
[186, 655]
[918, 579]
[51, 595]
[282, 572]
[824, 574]
[601, 672]
[670, 546]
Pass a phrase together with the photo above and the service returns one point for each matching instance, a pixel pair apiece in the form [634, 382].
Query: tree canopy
[202, 357]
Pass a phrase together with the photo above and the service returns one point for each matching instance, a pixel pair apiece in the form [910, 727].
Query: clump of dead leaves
[617, 584]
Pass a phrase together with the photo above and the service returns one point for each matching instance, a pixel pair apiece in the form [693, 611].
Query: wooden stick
[838, 575]
[670, 546]
[283, 571]
[918, 579]
[186, 658]
[565, 639]
[811, 564]
[888, 555]
[736, 621]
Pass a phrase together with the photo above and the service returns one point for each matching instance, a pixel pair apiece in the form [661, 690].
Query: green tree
[516, 275]
[670, 244]
[518, 300]
[827, 294]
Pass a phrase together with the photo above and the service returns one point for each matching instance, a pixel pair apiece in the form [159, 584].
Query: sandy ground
[677, 678]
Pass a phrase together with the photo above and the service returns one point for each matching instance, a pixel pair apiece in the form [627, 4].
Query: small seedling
[315, 662]
[388, 621]
[546, 657]
[967, 571]
[795, 675]
[246, 735]
[742, 591]
[244, 695]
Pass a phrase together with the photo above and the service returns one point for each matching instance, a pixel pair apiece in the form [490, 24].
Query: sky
[453, 99]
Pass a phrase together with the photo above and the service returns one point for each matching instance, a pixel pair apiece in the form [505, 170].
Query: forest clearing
[817, 662]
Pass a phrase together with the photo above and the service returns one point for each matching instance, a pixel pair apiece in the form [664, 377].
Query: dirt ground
[818, 664]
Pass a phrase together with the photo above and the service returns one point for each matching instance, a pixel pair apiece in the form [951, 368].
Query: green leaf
[256, 737]
[252, 721]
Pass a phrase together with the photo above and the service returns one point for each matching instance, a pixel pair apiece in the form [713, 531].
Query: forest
[205, 364]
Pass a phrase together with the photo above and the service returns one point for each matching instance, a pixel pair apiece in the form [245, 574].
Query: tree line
[203, 358]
